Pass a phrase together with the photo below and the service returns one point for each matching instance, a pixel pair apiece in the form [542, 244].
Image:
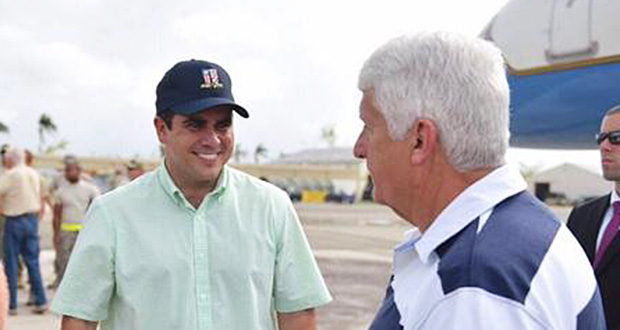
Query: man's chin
[210, 173]
[611, 176]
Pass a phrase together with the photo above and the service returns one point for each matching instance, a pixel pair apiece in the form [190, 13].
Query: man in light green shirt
[194, 244]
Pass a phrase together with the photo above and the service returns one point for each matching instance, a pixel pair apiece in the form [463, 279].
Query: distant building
[568, 183]
[335, 170]
[322, 156]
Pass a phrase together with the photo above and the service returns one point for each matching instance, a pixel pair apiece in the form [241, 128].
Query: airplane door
[571, 30]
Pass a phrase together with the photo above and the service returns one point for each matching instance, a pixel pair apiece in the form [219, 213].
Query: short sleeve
[298, 281]
[88, 283]
[55, 197]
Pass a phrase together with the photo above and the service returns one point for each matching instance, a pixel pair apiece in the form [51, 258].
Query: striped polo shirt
[495, 258]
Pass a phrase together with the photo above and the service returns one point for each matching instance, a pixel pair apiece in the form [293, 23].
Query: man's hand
[302, 320]
[71, 323]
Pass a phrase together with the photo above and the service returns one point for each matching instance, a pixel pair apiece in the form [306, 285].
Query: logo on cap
[212, 79]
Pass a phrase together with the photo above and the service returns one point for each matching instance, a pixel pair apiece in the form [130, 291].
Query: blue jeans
[21, 236]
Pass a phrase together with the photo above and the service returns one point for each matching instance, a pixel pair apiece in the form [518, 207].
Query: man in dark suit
[595, 224]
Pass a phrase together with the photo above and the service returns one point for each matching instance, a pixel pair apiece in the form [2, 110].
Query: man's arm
[45, 198]
[56, 225]
[70, 323]
[42, 208]
[302, 320]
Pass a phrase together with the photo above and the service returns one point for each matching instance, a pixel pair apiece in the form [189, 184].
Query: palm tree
[46, 127]
[260, 152]
[328, 134]
[3, 128]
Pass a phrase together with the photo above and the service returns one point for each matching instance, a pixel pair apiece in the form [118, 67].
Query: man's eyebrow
[194, 120]
[227, 120]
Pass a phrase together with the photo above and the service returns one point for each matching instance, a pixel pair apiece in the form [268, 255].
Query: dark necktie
[609, 234]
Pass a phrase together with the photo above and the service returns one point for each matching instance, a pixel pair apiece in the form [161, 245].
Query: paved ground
[352, 244]
[26, 320]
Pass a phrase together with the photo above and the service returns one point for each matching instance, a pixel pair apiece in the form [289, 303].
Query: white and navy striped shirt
[495, 258]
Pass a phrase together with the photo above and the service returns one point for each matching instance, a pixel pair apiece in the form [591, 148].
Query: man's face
[610, 154]
[72, 173]
[197, 146]
[386, 159]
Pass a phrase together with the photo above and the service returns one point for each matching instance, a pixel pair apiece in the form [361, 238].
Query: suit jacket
[584, 222]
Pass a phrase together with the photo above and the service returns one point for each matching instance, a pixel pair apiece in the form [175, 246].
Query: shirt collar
[614, 197]
[478, 198]
[168, 185]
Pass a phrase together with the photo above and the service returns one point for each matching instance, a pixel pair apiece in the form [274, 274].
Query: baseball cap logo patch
[193, 86]
[212, 79]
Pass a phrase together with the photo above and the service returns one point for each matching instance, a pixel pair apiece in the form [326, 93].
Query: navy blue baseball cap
[194, 86]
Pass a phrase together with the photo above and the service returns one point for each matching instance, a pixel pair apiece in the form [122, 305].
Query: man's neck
[194, 192]
[195, 196]
[440, 193]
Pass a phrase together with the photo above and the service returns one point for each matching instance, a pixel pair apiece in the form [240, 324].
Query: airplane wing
[563, 60]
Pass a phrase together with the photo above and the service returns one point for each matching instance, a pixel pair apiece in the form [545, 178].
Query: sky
[93, 65]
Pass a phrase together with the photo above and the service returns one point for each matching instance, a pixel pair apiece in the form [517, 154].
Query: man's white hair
[457, 82]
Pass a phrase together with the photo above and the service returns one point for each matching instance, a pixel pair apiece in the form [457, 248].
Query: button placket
[201, 264]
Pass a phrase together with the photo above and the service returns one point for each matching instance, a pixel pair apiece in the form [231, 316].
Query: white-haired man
[21, 203]
[485, 254]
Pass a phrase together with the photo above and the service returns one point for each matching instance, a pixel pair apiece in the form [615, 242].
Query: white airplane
[563, 60]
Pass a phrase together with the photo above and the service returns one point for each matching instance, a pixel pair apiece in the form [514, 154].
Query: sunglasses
[614, 137]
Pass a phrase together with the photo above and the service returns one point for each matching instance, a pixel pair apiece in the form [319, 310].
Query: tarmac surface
[353, 246]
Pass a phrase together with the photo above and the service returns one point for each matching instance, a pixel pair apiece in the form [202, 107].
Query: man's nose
[210, 137]
[605, 145]
[359, 150]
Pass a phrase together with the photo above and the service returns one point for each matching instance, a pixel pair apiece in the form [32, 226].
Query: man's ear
[424, 140]
[161, 129]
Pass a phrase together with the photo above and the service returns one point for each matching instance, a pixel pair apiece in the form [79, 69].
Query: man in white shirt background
[21, 203]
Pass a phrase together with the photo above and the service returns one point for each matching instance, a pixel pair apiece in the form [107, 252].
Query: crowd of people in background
[29, 200]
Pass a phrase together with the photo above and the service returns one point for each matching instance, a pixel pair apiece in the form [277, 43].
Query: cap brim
[193, 107]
